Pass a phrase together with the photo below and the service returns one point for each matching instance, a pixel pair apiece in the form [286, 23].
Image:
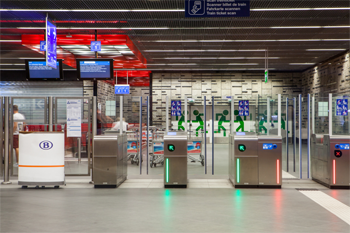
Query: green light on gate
[241, 147]
[171, 147]
[167, 170]
[238, 178]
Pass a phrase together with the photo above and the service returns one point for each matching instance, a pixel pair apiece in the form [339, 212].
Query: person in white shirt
[18, 125]
[116, 125]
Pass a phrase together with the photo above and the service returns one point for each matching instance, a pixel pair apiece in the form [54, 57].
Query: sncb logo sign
[45, 145]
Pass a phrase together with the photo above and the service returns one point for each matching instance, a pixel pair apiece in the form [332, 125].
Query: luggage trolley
[133, 146]
[194, 148]
[157, 155]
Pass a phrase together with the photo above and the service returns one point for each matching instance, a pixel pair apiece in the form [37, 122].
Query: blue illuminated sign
[342, 107]
[243, 108]
[95, 46]
[176, 107]
[121, 89]
[51, 44]
[217, 8]
[269, 146]
[342, 146]
[43, 45]
[95, 69]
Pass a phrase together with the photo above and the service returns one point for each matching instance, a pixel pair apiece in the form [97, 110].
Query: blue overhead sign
[217, 8]
[51, 44]
[95, 46]
[122, 89]
[43, 45]
[342, 107]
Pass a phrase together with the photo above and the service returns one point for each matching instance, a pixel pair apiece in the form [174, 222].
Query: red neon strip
[278, 171]
[333, 171]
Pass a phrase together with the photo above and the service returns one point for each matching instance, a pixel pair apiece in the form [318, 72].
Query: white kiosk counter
[41, 159]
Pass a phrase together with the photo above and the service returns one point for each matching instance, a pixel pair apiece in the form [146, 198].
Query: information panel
[217, 8]
[51, 44]
[342, 107]
[95, 69]
[38, 69]
[74, 118]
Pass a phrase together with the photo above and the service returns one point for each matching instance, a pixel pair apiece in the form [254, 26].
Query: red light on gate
[278, 171]
[333, 171]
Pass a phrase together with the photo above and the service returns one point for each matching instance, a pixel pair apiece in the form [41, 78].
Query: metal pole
[294, 130]
[205, 133]
[6, 144]
[287, 136]
[166, 115]
[94, 116]
[79, 150]
[212, 135]
[348, 116]
[232, 114]
[308, 136]
[330, 110]
[268, 115]
[186, 125]
[279, 115]
[121, 115]
[96, 53]
[147, 134]
[313, 114]
[50, 113]
[140, 145]
[300, 141]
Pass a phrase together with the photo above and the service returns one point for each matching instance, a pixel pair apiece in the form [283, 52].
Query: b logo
[45, 145]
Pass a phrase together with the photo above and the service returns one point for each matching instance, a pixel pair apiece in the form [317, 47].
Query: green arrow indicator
[171, 147]
[241, 147]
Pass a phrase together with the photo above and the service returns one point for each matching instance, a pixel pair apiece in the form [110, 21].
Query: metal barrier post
[147, 134]
[232, 114]
[6, 144]
[294, 130]
[186, 124]
[121, 115]
[205, 133]
[94, 117]
[279, 115]
[79, 150]
[212, 135]
[166, 114]
[140, 147]
[330, 114]
[268, 115]
[308, 137]
[287, 134]
[300, 141]
[50, 113]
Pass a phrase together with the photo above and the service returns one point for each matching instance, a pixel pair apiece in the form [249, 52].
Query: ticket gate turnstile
[330, 160]
[255, 161]
[175, 160]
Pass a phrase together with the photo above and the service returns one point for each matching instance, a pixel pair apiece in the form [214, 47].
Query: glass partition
[340, 114]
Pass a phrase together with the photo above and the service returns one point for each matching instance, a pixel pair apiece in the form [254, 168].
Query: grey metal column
[212, 136]
[121, 115]
[287, 138]
[166, 114]
[268, 115]
[94, 116]
[330, 114]
[186, 124]
[140, 145]
[300, 141]
[147, 132]
[294, 130]
[50, 113]
[232, 114]
[308, 136]
[205, 133]
[1, 134]
[79, 149]
[6, 144]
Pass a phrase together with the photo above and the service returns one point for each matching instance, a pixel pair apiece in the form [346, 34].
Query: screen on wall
[38, 70]
[101, 69]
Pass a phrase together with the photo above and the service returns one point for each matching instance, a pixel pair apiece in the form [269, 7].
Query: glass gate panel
[77, 148]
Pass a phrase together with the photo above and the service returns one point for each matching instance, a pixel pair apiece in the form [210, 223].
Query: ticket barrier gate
[175, 157]
[255, 161]
[109, 160]
[330, 160]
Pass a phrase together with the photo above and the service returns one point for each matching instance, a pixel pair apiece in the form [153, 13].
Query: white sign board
[73, 118]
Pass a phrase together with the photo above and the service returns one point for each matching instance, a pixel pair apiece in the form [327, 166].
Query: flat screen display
[38, 70]
[95, 69]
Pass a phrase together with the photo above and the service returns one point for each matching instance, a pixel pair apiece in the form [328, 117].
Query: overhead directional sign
[43, 45]
[217, 8]
[122, 89]
[95, 46]
[51, 44]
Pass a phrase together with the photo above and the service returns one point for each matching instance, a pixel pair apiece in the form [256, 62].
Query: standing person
[18, 125]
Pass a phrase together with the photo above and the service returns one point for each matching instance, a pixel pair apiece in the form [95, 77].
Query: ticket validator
[175, 160]
[255, 161]
[330, 160]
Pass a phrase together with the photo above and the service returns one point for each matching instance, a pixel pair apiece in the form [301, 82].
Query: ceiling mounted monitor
[38, 70]
[95, 69]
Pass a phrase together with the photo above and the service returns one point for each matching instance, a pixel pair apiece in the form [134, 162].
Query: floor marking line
[329, 203]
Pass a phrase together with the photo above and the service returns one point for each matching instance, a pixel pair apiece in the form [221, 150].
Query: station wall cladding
[331, 76]
[219, 85]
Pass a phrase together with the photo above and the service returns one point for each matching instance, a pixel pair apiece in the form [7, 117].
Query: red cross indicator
[338, 153]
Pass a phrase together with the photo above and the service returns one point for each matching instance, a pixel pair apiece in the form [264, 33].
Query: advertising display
[158, 148]
[176, 107]
[342, 107]
[243, 108]
[194, 147]
[51, 44]
[132, 146]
